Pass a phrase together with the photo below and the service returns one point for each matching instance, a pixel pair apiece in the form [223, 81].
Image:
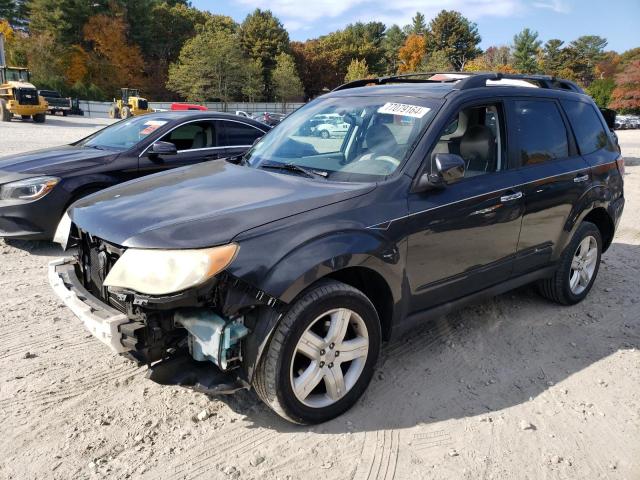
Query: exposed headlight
[160, 272]
[29, 189]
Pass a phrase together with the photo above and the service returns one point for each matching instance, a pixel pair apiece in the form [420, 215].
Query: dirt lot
[515, 387]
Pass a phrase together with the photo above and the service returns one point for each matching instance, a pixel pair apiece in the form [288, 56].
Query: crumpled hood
[201, 206]
[53, 161]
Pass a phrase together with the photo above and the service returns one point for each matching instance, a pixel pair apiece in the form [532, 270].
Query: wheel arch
[601, 219]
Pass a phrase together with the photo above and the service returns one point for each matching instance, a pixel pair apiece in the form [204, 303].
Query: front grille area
[96, 258]
[27, 96]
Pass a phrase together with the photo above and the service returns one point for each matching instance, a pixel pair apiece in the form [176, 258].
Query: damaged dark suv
[286, 268]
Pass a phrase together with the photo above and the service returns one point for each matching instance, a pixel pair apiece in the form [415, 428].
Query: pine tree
[525, 49]
[418, 25]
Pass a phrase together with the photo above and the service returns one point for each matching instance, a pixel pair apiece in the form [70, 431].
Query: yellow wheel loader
[130, 104]
[19, 97]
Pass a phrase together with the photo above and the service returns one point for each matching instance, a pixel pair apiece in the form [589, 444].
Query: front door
[463, 237]
[196, 141]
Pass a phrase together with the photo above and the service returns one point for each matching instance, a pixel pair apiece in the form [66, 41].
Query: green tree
[525, 49]
[552, 57]
[437, 61]
[253, 87]
[357, 70]
[286, 82]
[220, 74]
[64, 19]
[588, 51]
[601, 90]
[392, 42]
[452, 33]
[418, 24]
[264, 38]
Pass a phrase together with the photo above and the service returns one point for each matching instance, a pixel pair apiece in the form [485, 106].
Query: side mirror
[609, 117]
[163, 148]
[449, 169]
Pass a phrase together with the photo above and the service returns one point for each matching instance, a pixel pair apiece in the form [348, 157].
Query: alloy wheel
[329, 358]
[583, 265]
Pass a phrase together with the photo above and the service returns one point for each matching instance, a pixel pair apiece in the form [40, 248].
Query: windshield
[346, 138]
[125, 134]
[16, 75]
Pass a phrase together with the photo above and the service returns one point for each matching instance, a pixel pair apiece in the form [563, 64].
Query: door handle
[581, 178]
[511, 197]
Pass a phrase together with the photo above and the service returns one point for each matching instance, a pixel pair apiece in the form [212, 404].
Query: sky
[498, 20]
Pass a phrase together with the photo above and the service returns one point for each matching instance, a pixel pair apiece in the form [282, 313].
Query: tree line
[171, 50]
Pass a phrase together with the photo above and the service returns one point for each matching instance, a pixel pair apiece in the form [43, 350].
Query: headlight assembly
[29, 189]
[161, 272]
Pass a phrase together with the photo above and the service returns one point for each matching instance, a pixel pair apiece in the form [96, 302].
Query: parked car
[286, 271]
[268, 118]
[57, 103]
[37, 187]
[336, 128]
[188, 106]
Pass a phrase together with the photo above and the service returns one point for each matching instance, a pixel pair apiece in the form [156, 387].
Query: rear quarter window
[587, 127]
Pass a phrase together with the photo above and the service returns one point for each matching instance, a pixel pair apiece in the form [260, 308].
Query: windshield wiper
[292, 167]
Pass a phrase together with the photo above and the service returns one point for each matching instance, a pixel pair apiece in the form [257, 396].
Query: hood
[202, 206]
[53, 161]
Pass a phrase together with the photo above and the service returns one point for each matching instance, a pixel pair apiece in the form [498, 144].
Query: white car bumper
[100, 319]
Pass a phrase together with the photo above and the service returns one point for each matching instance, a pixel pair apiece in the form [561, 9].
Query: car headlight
[29, 189]
[160, 272]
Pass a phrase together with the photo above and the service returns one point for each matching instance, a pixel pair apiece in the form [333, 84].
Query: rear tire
[325, 134]
[577, 269]
[114, 112]
[5, 114]
[342, 318]
[39, 118]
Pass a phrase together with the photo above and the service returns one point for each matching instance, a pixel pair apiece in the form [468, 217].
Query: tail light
[620, 163]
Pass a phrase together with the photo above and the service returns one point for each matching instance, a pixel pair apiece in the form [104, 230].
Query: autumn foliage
[626, 95]
[411, 53]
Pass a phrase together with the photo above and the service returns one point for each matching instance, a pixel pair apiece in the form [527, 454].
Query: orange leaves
[116, 62]
[411, 53]
[626, 95]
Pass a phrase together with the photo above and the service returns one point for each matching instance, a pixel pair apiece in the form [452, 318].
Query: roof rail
[468, 80]
[402, 78]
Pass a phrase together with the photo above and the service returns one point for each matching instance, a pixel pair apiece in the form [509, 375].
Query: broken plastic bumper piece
[100, 319]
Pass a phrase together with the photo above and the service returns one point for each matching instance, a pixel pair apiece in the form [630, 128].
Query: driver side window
[477, 135]
[191, 136]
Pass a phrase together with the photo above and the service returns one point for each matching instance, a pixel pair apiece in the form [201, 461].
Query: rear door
[236, 136]
[553, 175]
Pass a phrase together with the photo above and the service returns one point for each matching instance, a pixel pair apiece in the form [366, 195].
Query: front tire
[578, 267]
[321, 356]
[325, 134]
[39, 118]
[125, 113]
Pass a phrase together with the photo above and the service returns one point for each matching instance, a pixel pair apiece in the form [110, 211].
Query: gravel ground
[515, 387]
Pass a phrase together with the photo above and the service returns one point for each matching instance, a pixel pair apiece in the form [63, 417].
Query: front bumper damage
[200, 360]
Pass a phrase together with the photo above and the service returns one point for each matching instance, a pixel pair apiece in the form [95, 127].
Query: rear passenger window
[238, 134]
[590, 132]
[541, 133]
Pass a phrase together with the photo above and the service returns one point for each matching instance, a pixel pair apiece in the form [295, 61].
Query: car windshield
[124, 134]
[352, 139]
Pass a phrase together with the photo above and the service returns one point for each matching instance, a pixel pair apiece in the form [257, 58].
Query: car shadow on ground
[487, 357]
[39, 248]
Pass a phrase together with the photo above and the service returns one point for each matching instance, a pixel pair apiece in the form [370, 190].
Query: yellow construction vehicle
[19, 97]
[130, 104]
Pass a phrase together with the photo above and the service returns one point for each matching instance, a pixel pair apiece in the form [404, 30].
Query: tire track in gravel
[381, 459]
[82, 385]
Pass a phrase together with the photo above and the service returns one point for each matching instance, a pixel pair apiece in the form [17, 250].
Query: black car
[37, 187]
[285, 272]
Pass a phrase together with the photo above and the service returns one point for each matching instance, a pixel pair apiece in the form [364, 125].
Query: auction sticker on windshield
[404, 109]
[152, 126]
